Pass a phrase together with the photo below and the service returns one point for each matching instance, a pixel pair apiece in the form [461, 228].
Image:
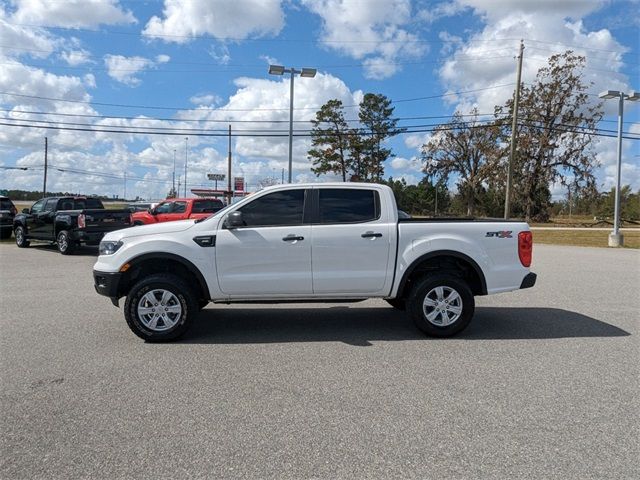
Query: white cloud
[18, 40]
[237, 19]
[400, 163]
[374, 33]
[487, 58]
[220, 53]
[125, 69]
[71, 13]
[76, 57]
[433, 13]
[206, 99]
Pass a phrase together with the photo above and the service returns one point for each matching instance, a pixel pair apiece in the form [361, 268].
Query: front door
[271, 253]
[351, 243]
[35, 220]
[176, 212]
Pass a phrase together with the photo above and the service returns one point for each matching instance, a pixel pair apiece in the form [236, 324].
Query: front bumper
[529, 280]
[107, 283]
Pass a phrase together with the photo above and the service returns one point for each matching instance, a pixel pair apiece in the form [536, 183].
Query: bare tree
[467, 149]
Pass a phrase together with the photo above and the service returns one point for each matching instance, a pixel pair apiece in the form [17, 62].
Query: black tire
[428, 286]
[137, 223]
[397, 303]
[184, 297]
[21, 237]
[5, 233]
[202, 304]
[66, 244]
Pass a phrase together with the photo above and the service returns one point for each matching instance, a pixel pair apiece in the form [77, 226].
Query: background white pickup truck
[332, 241]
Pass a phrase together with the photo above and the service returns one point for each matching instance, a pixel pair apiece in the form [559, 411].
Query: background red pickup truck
[178, 209]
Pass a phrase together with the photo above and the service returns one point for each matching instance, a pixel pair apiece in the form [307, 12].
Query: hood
[153, 229]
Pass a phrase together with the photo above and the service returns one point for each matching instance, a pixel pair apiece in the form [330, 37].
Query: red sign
[238, 184]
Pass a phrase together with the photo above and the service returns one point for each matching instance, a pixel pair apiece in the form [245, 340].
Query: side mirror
[25, 210]
[234, 220]
[152, 211]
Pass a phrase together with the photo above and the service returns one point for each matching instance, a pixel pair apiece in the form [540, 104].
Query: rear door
[271, 254]
[351, 247]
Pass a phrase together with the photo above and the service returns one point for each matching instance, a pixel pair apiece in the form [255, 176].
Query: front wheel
[21, 237]
[441, 305]
[66, 245]
[160, 308]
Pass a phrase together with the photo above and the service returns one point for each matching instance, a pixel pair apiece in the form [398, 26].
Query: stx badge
[502, 234]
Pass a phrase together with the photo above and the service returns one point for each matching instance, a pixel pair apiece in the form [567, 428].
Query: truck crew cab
[68, 222]
[312, 242]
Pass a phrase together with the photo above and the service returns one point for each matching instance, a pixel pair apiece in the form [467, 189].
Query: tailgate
[106, 220]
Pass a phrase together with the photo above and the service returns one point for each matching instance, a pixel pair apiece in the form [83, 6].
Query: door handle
[371, 235]
[292, 238]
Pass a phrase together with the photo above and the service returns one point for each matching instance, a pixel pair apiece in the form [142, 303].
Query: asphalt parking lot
[543, 384]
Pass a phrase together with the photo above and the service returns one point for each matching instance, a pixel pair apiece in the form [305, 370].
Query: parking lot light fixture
[616, 238]
[276, 70]
[305, 72]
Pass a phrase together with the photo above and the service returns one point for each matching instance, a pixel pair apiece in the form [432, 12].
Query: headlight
[109, 248]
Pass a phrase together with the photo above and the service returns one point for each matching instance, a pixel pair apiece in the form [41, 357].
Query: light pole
[174, 175]
[305, 72]
[615, 238]
[186, 147]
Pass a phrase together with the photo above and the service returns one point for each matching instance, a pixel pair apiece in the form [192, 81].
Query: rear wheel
[441, 305]
[66, 244]
[160, 308]
[21, 237]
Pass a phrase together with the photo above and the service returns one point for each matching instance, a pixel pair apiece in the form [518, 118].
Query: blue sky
[202, 64]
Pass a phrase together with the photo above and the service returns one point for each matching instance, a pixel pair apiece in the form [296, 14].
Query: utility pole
[435, 211]
[229, 170]
[514, 126]
[44, 186]
[186, 147]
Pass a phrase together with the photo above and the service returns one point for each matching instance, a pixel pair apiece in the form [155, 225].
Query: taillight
[81, 221]
[525, 248]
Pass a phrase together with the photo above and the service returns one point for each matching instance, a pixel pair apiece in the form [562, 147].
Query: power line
[417, 129]
[227, 121]
[222, 109]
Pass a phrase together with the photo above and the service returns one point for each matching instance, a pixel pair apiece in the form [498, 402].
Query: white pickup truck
[312, 242]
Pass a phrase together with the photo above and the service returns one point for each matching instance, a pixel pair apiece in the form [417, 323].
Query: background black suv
[7, 213]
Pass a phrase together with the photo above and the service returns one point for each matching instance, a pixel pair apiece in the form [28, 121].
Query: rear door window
[206, 206]
[341, 205]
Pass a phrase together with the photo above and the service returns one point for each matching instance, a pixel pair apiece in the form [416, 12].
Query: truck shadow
[82, 251]
[361, 326]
